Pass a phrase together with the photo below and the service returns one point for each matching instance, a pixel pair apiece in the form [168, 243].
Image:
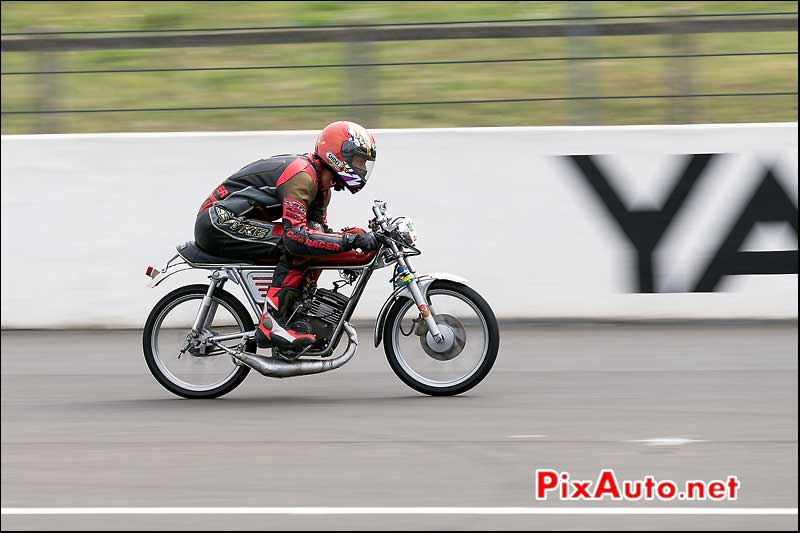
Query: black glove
[366, 242]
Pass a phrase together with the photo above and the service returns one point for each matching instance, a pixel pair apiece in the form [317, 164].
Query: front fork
[425, 310]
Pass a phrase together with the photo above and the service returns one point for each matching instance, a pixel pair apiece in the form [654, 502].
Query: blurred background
[73, 67]
[595, 369]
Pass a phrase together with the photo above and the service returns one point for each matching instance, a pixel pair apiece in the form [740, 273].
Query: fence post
[680, 75]
[361, 81]
[47, 88]
[582, 74]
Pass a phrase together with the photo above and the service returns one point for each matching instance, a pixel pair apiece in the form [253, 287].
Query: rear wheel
[205, 372]
[472, 339]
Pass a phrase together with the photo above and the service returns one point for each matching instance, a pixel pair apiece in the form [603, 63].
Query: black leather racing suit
[239, 219]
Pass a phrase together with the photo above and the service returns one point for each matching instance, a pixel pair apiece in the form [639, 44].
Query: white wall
[83, 215]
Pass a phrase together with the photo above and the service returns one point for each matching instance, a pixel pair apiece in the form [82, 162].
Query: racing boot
[270, 333]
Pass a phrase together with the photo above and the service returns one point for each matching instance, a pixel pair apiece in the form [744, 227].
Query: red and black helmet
[348, 149]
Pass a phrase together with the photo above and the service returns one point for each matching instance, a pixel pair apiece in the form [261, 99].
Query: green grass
[387, 84]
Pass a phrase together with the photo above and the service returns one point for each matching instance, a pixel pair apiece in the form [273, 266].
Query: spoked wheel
[462, 360]
[203, 370]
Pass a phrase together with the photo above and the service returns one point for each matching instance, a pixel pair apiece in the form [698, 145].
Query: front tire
[404, 368]
[153, 357]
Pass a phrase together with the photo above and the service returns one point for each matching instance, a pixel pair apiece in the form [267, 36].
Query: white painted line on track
[725, 511]
[527, 437]
[667, 441]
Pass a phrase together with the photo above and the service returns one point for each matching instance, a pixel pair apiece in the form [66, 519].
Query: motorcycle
[440, 336]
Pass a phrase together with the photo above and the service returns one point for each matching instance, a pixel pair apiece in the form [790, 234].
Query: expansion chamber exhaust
[278, 368]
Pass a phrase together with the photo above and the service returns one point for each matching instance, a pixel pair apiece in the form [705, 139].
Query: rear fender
[424, 282]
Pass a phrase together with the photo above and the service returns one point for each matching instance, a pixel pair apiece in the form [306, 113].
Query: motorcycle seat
[195, 255]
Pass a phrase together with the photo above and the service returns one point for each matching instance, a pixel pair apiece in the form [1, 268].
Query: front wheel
[472, 339]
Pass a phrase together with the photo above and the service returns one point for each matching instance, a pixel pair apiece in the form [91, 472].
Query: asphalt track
[85, 425]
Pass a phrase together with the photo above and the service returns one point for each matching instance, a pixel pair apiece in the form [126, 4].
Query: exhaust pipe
[278, 368]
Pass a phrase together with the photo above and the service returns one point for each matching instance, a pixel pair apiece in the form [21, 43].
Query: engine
[320, 315]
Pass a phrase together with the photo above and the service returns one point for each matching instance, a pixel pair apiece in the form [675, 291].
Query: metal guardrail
[406, 24]
[412, 33]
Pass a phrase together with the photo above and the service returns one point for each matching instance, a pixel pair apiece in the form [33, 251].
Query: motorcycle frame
[221, 273]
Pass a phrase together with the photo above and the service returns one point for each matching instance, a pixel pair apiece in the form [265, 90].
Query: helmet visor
[361, 166]
[357, 171]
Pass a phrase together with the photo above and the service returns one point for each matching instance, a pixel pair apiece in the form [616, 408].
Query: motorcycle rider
[239, 219]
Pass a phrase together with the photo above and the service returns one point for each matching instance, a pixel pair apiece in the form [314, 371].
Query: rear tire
[148, 336]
